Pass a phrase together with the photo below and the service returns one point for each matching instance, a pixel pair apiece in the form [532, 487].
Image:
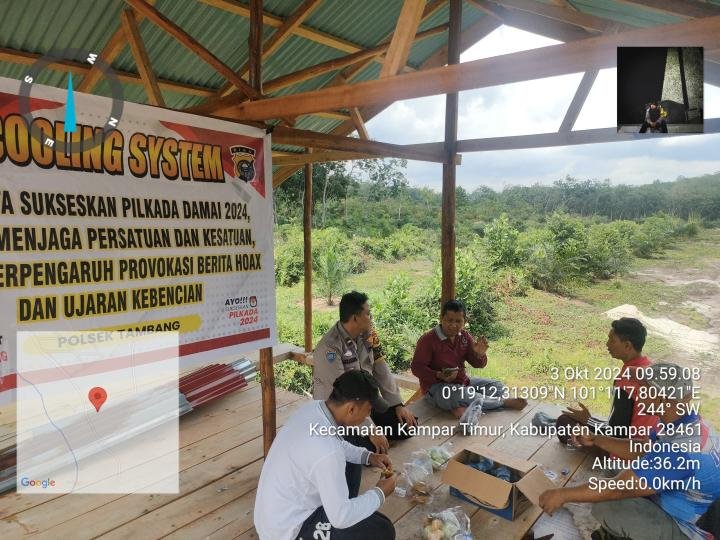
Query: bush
[609, 253]
[289, 267]
[294, 377]
[408, 241]
[399, 320]
[501, 240]
[474, 286]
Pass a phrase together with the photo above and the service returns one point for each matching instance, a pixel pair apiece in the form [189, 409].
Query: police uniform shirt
[337, 353]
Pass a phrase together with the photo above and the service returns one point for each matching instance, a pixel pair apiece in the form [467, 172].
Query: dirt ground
[691, 347]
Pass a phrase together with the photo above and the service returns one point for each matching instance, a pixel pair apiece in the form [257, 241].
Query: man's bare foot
[515, 403]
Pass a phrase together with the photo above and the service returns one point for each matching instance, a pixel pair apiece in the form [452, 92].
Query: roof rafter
[278, 37]
[531, 22]
[314, 139]
[81, 68]
[468, 38]
[403, 37]
[593, 53]
[142, 60]
[357, 119]
[216, 104]
[193, 45]
[232, 6]
[578, 100]
[576, 18]
[679, 8]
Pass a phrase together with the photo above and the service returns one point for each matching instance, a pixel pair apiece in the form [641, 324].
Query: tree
[331, 273]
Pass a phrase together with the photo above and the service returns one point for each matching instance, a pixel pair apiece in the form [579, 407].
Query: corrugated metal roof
[38, 26]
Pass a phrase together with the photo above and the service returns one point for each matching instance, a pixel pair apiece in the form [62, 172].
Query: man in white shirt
[302, 492]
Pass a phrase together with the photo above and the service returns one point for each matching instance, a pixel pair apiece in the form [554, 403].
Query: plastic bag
[450, 524]
[439, 455]
[418, 472]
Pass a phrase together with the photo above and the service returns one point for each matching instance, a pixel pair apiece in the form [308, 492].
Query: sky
[538, 107]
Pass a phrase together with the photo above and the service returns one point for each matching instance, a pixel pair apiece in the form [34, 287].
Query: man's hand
[381, 461]
[387, 485]
[582, 414]
[405, 416]
[447, 376]
[481, 346]
[586, 439]
[381, 444]
[552, 499]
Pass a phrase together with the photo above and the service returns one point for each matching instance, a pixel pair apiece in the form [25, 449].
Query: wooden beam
[405, 29]
[447, 226]
[112, 49]
[255, 46]
[307, 255]
[532, 23]
[318, 157]
[313, 139]
[593, 53]
[279, 37]
[359, 123]
[219, 105]
[679, 8]
[576, 18]
[576, 105]
[349, 73]
[468, 38]
[142, 60]
[192, 44]
[267, 385]
[233, 6]
[81, 68]
[569, 138]
[333, 115]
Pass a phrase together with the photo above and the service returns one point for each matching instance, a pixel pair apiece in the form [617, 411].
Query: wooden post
[447, 250]
[267, 384]
[255, 45]
[267, 374]
[307, 254]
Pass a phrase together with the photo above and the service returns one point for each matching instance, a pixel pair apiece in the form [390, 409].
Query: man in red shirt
[439, 364]
[626, 340]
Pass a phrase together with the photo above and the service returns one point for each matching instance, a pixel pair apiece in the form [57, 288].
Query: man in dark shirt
[439, 364]
[654, 119]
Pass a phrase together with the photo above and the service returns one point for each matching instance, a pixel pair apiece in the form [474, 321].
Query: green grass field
[548, 334]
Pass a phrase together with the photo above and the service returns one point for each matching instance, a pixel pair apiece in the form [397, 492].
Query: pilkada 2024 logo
[243, 309]
[244, 161]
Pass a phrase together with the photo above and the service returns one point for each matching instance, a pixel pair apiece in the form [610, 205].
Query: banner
[161, 223]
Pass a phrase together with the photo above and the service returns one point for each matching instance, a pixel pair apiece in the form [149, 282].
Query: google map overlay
[97, 412]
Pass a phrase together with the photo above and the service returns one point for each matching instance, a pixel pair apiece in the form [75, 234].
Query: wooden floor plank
[232, 519]
[222, 414]
[409, 525]
[201, 463]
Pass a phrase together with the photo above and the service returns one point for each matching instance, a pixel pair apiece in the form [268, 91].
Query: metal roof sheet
[38, 26]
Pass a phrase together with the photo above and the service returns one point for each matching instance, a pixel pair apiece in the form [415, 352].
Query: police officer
[352, 344]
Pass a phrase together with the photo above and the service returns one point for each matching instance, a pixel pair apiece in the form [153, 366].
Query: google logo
[25, 481]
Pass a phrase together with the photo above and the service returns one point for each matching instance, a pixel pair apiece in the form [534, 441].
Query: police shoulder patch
[331, 356]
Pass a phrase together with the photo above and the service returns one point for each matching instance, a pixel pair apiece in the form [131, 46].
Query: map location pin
[97, 397]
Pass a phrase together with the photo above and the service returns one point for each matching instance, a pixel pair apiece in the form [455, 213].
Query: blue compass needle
[70, 125]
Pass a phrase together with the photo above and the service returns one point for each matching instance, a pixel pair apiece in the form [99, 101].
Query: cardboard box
[506, 499]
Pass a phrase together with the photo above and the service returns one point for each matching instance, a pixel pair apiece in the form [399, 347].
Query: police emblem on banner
[244, 161]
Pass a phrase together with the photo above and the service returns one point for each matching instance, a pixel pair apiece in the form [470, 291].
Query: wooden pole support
[307, 254]
[267, 385]
[447, 255]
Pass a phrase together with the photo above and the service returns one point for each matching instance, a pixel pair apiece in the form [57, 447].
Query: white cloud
[538, 107]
